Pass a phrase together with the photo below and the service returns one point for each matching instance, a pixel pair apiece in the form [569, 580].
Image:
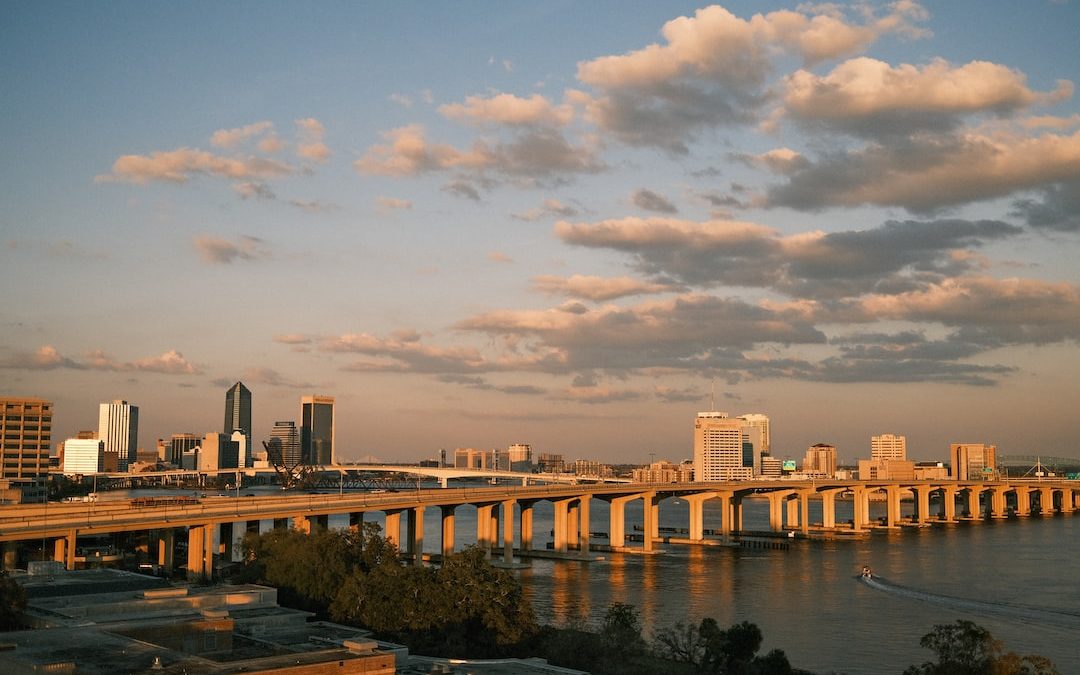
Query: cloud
[313, 205]
[713, 66]
[1058, 209]
[865, 96]
[214, 250]
[48, 357]
[596, 288]
[482, 384]
[254, 189]
[924, 173]
[402, 100]
[388, 204]
[550, 207]
[272, 378]
[293, 339]
[461, 188]
[231, 138]
[178, 166]
[648, 200]
[404, 355]
[310, 144]
[509, 110]
[537, 153]
[499, 257]
[596, 395]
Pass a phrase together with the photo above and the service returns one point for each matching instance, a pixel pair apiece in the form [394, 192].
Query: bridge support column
[166, 540]
[584, 525]
[573, 522]
[1046, 501]
[828, 508]
[416, 534]
[235, 553]
[393, 528]
[696, 504]
[562, 508]
[266, 525]
[356, 522]
[793, 511]
[736, 511]
[617, 520]
[776, 513]
[1068, 501]
[1023, 501]
[948, 503]
[526, 526]
[998, 506]
[447, 518]
[485, 536]
[508, 530]
[651, 527]
[892, 501]
[59, 550]
[804, 510]
[922, 502]
[200, 552]
[860, 507]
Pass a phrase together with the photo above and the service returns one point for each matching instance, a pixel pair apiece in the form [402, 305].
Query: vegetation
[964, 648]
[466, 608]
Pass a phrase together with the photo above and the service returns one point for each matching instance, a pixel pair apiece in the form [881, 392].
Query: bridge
[214, 524]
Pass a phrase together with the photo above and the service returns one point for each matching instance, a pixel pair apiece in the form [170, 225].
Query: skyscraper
[718, 448]
[237, 410]
[756, 430]
[26, 429]
[118, 427]
[820, 460]
[972, 461]
[888, 446]
[317, 429]
[283, 448]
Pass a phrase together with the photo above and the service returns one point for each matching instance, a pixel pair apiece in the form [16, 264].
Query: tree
[12, 602]
[682, 644]
[965, 648]
[622, 629]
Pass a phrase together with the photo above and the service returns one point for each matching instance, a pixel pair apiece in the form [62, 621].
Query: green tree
[682, 644]
[622, 629]
[12, 602]
[965, 648]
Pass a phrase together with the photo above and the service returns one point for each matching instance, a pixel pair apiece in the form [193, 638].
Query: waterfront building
[931, 471]
[217, 451]
[178, 445]
[592, 468]
[283, 449]
[771, 467]
[886, 469]
[82, 456]
[238, 410]
[471, 458]
[820, 460]
[756, 429]
[973, 461]
[551, 463]
[664, 472]
[888, 446]
[718, 448]
[118, 427]
[26, 430]
[317, 429]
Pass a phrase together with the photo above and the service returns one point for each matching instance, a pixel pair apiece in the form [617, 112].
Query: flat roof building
[26, 430]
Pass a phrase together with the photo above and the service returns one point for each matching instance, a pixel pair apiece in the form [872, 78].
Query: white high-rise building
[820, 460]
[756, 429]
[83, 456]
[718, 448]
[888, 446]
[118, 427]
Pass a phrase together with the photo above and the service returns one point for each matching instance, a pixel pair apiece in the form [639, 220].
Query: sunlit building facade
[26, 429]
[972, 461]
[820, 460]
[317, 430]
[118, 427]
[718, 448]
[888, 446]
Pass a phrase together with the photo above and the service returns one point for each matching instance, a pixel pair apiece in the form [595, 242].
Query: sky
[573, 225]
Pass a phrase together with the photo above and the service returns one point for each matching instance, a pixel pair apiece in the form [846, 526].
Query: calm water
[1017, 578]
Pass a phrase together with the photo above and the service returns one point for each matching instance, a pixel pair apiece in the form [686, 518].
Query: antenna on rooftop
[712, 395]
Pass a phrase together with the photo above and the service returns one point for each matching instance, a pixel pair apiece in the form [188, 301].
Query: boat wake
[1004, 610]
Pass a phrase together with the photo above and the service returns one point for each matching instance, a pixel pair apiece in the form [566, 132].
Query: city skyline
[484, 225]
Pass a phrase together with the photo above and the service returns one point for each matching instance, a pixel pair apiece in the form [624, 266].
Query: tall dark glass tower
[238, 410]
[317, 429]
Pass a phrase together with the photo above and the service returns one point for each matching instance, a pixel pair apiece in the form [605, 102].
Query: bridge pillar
[973, 507]
[562, 508]
[922, 502]
[998, 505]
[651, 526]
[166, 540]
[415, 528]
[804, 508]
[1023, 501]
[573, 521]
[526, 525]
[59, 550]
[584, 524]
[617, 520]
[792, 503]
[447, 518]
[948, 502]
[776, 513]
[201, 551]
[393, 527]
[1046, 501]
[356, 522]
[508, 530]
[736, 511]
[828, 508]
[892, 501]
[696, 503]
[860, 508]
[484, 533]
[236, 544]
[1068, 502]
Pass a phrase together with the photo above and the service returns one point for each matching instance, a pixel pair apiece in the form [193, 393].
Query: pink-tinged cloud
[499, 257]
[597, 288]
[934, 95]
[217, 251]
[310, 145]
[509, 110]
[596, 395]
[45, 357]
[230, 138]
[171, 362]
[293, 339]
[48, 357]
[405, 355]
[178, 166]
[550, 207]
[387, 204]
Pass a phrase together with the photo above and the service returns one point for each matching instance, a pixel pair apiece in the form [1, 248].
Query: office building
[820, 460]
[83, 456]
[178, 445]
[215, 451]
[317, 429]
[283, 448]
[665, 472]
[756, 430]
[26, 430]
[718, 448]
[118, 427]
[888, 446]
[972, 461]
[886, 469]
[237, 410]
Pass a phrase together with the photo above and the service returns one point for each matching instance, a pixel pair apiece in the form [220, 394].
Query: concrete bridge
[214, 524]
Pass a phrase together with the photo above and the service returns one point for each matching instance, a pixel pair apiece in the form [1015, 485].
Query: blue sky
[561, 224]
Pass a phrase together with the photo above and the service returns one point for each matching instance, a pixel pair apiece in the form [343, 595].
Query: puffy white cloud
[171, 362]
[597, 288]
[48, 357]
[230, 138]
[178, 166]
[405, 355]
[647, 200]
[387, 204]
[310, 144]
[509, 110]
[254, 189]
[550, 207]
